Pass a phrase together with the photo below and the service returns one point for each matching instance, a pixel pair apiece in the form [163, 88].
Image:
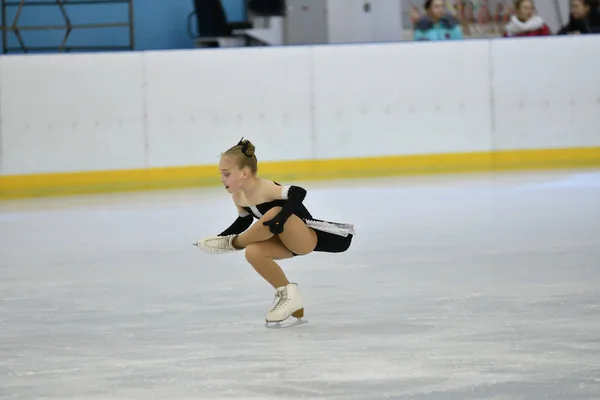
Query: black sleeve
[238, 226]
[295, 196]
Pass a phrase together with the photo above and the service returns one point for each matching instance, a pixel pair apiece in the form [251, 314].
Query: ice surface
[456, 287]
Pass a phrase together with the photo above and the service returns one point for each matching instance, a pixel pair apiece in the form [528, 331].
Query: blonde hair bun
[247, 148]
[245, 154]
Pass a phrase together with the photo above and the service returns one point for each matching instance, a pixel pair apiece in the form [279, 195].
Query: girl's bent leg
[296, 236]
[257, 232]
[262, 256]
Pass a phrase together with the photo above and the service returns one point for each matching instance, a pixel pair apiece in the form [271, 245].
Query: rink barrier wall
[163, 118]
[13, 187]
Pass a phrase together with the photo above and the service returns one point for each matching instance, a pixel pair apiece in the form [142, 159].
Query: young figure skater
[284, 229]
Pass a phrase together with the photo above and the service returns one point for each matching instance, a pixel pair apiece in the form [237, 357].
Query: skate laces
[283, 299]
[220, 243]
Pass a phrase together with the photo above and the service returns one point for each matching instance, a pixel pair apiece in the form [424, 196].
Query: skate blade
[285, 324]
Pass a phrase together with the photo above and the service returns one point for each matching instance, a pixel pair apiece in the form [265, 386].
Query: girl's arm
[294, 195]
[242, 222]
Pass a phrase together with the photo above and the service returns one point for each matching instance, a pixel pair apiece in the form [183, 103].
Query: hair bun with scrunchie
[247, 147]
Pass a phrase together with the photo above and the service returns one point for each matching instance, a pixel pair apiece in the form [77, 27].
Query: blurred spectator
[583, 20]
[525, 22]
[595, 15]
[437, 24]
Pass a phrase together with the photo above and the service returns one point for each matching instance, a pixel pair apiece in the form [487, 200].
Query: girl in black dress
[285, 228]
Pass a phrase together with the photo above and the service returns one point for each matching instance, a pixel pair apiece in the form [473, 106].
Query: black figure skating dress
[332, 237]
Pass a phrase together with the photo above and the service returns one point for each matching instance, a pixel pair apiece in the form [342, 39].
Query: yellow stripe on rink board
[22, 186]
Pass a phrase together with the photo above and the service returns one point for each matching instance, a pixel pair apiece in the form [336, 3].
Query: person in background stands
[584, 19]
[437, 24]
[525, 22]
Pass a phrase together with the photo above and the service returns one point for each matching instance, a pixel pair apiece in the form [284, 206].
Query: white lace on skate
[217, 244]
[283, 301]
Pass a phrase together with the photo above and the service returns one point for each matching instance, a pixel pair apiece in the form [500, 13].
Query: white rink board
[64, 113]
[216, 97]
[412, 110]
[1, 122]
[553, 102]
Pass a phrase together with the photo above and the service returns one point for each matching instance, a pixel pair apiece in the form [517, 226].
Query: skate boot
[289, 304]
[217, 244]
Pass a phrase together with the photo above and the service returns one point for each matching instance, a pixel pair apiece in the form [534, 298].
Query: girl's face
[526, 10]
[232, 177]
[437, 9]
[579, 9]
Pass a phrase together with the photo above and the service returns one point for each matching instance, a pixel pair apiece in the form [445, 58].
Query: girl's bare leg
[262, 256]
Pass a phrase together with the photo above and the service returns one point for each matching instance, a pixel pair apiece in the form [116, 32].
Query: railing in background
[17, 29]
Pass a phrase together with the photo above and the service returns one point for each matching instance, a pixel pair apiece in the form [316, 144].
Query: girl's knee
[254, 252]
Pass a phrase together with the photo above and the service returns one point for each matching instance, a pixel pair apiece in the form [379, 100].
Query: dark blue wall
[158, 24]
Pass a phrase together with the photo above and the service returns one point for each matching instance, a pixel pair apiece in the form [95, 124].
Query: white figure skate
[217, 244]
[289, 304]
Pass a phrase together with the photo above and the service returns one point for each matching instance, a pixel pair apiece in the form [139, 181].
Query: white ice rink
[456, 288]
